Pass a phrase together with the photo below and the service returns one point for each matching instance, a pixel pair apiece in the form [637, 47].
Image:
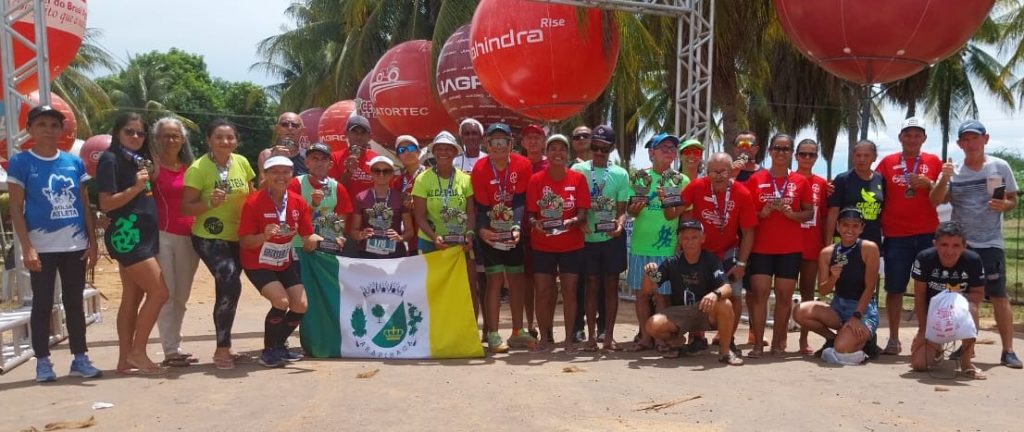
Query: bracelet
[741, 263]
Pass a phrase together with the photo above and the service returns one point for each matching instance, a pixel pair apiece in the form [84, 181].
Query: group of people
[545, 222]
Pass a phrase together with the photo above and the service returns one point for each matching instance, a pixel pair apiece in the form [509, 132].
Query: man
[533, 146]
[349, 165]
[980, 191]
[700, 297]
[581, 139]
[745, 164]
[605, 246]
[322, 193]
[909, 219]
[946, 265]
[288, 130]
[726, 210]
[691, 156]
[471, 133]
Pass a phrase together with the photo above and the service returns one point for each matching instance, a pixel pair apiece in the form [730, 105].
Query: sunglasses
[290, 125]
[407, 149]
[807, 155]
[693, 152]
[501, 142]
[580, 137]
[782, 149]
[382, 171]
[744, 144]
[134, 133]
[601, 149]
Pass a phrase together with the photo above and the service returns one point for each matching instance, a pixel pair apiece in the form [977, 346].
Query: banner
[415, 307]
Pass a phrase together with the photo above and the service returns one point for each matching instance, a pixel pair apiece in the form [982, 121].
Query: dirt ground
[517, 391]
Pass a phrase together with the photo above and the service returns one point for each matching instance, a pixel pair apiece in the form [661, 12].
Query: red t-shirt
[259, 211]
[778, 234]
[813, 228]
[361, 179]
[514, 179]
[738, 213]
[342, 207]
[575, 197]
[908, 216]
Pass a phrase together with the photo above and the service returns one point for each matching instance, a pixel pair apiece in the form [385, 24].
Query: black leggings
[222, 259]
[71, 266]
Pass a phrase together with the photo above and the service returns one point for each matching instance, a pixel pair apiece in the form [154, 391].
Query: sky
[226, 32]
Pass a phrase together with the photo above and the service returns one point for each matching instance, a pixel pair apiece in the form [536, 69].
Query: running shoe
[1010, 360]
[271, 358]
[522, 339]
[82, 367]
[44, 370]
[495, 344]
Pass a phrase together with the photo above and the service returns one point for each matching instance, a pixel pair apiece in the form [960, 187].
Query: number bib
[275, 254]
[380, 245]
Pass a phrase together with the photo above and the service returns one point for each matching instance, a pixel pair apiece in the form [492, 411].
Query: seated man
[700, 297]
[947, 265]
[850, 270]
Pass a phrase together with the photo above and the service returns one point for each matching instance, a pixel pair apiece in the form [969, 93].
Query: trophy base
[504, 236]
[328, 246]
[672, 201]
[553, 227]
[605, 227]
[637, 199]
[454, 239]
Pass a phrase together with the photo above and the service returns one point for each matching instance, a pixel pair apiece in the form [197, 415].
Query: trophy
[654, 275]
[841, 259]
[331, 227]
[604, 213]
[380, 217]
[671, 184]
[551, 209]
[640, 180]
[288, 144]
[455, 223]
[501, 217]
[743, 157]
[354, 153]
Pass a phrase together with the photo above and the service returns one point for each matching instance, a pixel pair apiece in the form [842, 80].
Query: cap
[274, 161]
[972, 126]
[381, 159]
[851, 213]
[691, 143]
[406, 138]
[603, 133]
[498, 127]
[356, 120]
[912, 122]
[445, 137]
[319, 147]
[555, 138]
[474, 123]
[47, 110]
[691, 224]
[657, 139]
[533, 128]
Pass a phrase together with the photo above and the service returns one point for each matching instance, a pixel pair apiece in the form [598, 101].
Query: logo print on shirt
[62, 199]
[664, 238]
[126, 237]
[870, 205]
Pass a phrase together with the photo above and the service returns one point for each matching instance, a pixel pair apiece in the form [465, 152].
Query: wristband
[741, 263]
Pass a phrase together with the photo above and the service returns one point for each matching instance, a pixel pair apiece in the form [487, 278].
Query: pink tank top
[167, 191]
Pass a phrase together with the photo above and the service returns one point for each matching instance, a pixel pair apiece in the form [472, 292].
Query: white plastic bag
[949, 319]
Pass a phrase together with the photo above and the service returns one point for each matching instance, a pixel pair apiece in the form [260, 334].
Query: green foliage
[378, 312]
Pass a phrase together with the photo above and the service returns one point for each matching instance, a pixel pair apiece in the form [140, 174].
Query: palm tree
[88, 101]
[141, 88]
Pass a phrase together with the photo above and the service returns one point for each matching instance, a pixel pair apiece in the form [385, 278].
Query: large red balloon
[538, 60]
[402, 94]
[66, 139]
[877, 41]
[460, 89]
[311, 123]
[91, 151]
[378, 132]
[65, 27]
[331, 128]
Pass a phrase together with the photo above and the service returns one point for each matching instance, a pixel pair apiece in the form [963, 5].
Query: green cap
[691, 143]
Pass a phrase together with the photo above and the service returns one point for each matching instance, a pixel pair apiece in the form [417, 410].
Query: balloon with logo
[402, 94]
[331, 128]
[877, 41]
[65, 27]
[311, 124]
[460, 89]
[539, 60]
[66, 138]
[364, 105]
[91, 150]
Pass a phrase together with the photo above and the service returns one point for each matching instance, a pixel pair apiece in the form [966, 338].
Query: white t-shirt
[465, 163]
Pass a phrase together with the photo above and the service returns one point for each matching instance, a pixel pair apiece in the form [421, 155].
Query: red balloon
[65, 27]
[311, 122]
[539, 61]
[460, 89]
[91, 151]
[331, 128]
[66, 139]
[877, 41]
[402, 94]
[378, 132]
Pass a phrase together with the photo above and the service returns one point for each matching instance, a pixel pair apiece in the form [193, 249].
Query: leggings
[71, 266]
[222, 259]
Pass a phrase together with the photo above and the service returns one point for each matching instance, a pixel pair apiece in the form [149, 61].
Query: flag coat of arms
[414, 307]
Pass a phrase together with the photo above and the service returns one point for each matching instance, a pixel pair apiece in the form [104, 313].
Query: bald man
[289, 134]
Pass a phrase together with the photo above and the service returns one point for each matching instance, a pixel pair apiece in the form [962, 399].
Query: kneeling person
[700, 299]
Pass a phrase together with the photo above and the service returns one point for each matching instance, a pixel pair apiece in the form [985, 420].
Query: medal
[909, 193]
[282, 213]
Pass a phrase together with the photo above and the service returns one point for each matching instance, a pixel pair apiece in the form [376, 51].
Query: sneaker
[579, 336]
[1010, 360]
[533, 332]
[600, 336]
[44, 370]
[522, 339]
[272, 358]
[495, 344]
[291, 356]
[82, 367]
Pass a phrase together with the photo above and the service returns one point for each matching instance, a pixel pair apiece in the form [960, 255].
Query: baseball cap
[319, 147]
[356, 120]
[533, 128]
[657, 139]
[556, 137]
[691, 224]
[445, 137]
[474, 123]
[381, 159]
[274, 161]
[498, 127]
[406, 138]
[691, 143]
[912, 122]
[972, 126]
[603, 133]
[47, 110]
[851, 213]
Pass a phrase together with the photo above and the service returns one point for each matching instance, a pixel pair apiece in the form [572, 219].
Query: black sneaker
[735, 349]
[697, 346]
[600, 336]
[1010, 360]
[828, 344]
[871, 348]
[579, 336]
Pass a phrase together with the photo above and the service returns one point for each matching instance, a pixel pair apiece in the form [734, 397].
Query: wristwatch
[717, 294]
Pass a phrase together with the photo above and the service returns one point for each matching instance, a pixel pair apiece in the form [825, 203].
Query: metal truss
[37, 65]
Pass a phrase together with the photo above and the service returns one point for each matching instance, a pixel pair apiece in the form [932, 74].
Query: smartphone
[999, 193]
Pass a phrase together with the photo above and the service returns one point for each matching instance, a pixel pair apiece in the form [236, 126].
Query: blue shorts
[899, 254]
[845, 307]
[636, 272]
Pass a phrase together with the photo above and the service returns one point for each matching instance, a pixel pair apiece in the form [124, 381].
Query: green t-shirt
[433, 189]
[614, 184]
[653, 235]
[221, 222]
[328, 203]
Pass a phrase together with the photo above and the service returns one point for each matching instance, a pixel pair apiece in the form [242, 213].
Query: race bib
[380, 245]
[275, 254]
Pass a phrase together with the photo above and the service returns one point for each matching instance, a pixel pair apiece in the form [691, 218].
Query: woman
[861, 188]
[380, 221]
[173, 154]
[783, 201]
[216, 186]
[408, 150]
[814, 237]
[557, 200]
[53, 221]
[125, 195]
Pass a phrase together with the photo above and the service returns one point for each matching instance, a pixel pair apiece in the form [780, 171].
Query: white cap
[912, 122]
[473, 122]
[406, 138]
[274, 161]
[381, 159]
[445, 137]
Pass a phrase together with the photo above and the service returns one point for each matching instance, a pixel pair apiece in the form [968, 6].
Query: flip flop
[242, 358]
[589, 346]
[731, 359]
[640, 346]
[152, 371]
[126, 372]
[611, 345]
[539, 347]
[224, 363]
[672, 353]
[974, 373]
[571, 349]
[183, 360]
[755, 354]
[806, 351]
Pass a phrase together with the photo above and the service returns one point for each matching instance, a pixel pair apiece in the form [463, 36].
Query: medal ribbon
[907, 174]
[723, 212]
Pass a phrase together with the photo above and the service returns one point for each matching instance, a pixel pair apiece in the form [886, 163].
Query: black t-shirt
[744, 175]
[866, 195]
[697, 279]
[115, 172]
[968, 272]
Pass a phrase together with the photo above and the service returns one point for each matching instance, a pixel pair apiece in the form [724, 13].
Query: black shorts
[554, 263]
[500, 261]
[605, 258]
[288, 277]
[994, 261]
[785, 266]
[138, 242]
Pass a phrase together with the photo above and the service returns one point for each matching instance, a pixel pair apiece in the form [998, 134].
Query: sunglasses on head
[134, 133]
[408, 148]
[807, 155]
[600, 148]
[578, 137]
[501, 142]
[289, 124]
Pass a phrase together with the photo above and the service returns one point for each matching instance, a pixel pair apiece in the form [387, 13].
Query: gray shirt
[969, 193]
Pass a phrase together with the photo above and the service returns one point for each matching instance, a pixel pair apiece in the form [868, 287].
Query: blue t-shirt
[54, 215]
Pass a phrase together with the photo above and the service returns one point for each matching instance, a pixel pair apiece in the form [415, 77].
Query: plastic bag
[949, 319]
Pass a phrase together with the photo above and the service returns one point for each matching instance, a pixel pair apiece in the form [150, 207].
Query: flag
[413, 307]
